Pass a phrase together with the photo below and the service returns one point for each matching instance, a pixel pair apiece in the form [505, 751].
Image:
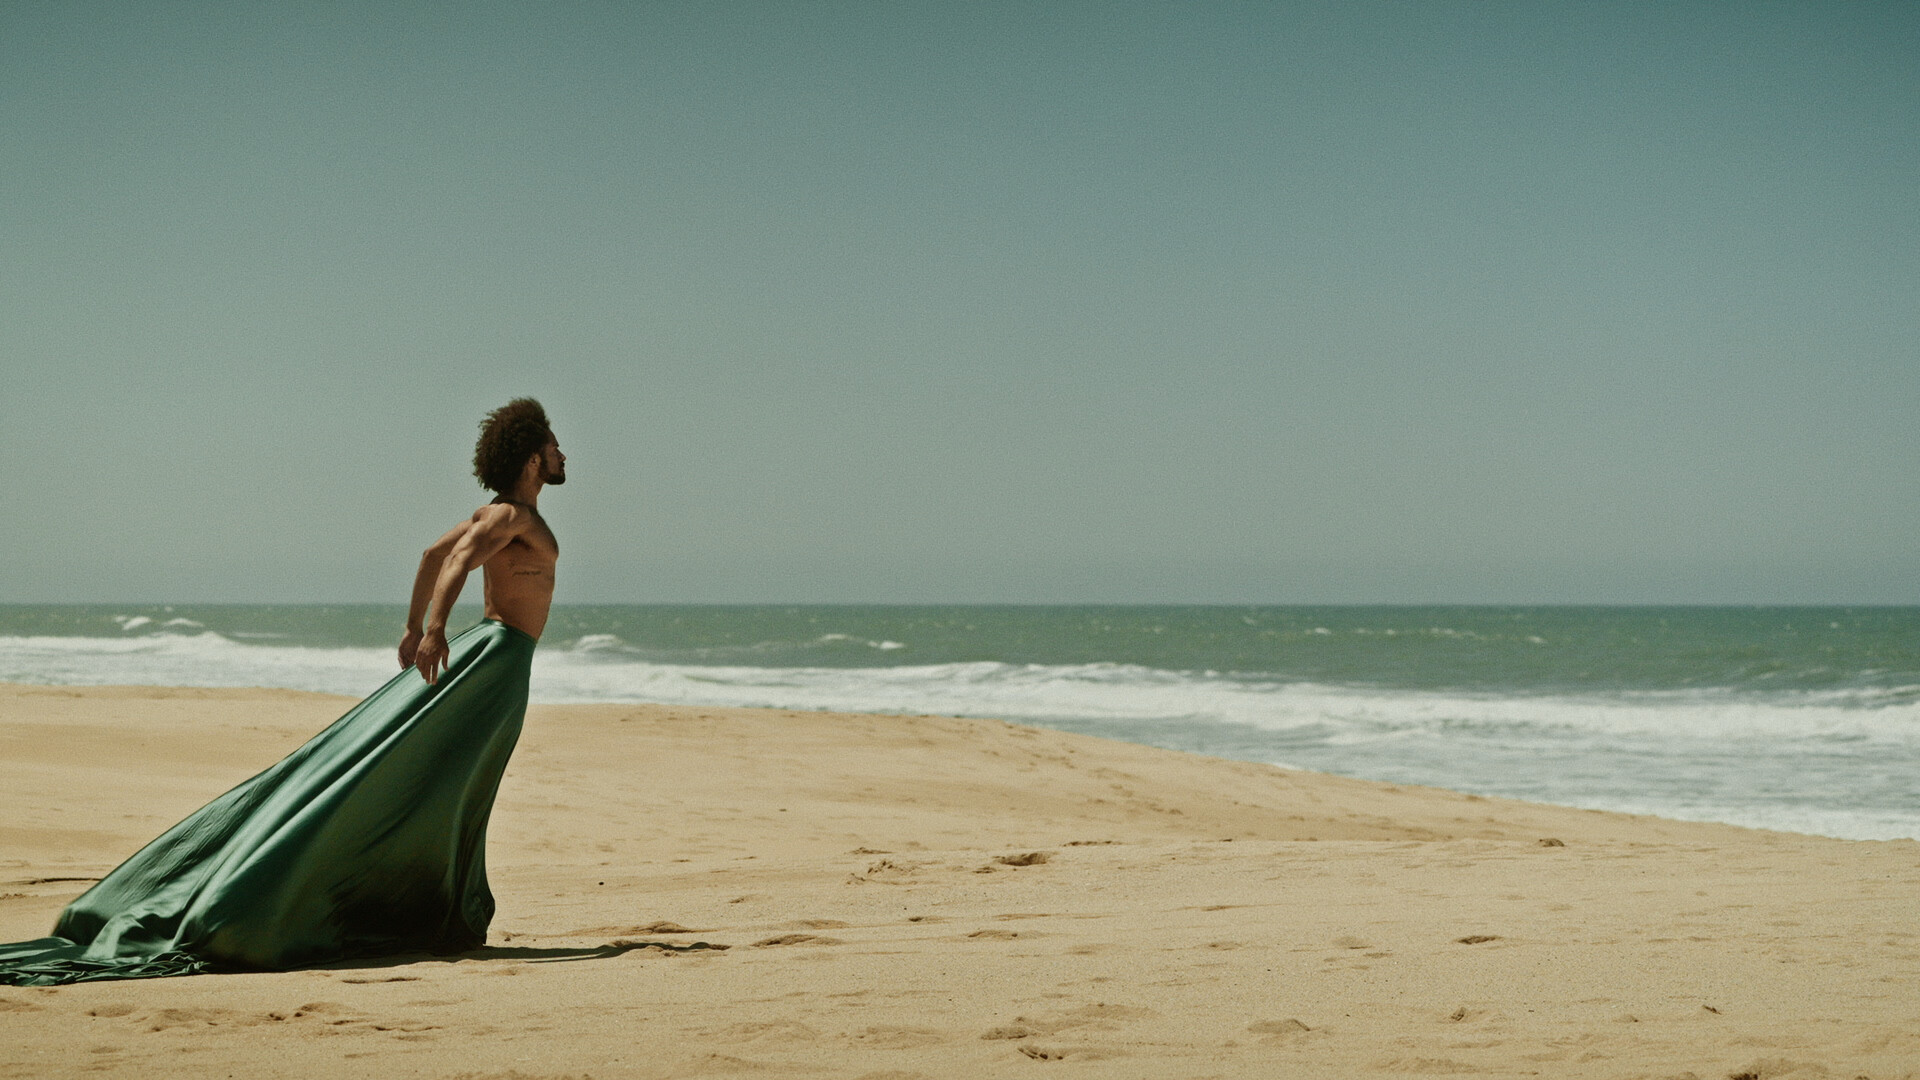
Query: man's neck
[526, 493]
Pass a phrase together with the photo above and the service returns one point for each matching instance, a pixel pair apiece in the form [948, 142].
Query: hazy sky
[950, 302]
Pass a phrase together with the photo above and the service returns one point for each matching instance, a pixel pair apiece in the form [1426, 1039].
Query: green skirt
[370, 840]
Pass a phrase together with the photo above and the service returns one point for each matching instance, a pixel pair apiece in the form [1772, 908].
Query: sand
[732, 892]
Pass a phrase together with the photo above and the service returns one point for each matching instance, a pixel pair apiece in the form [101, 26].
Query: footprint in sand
[166, 1019]
[660, 927]
[1099, 1017]
[782, 1032]
[516, 1074]
[888, 870]
[1282, 1032]
[406, 1030]
[897, 1038]
[667, 948]
[1024, 858]
[998, 935]
[1476, 939]
[795, 939]
[322, 1010]
[1063, 1053]
[1428, 1065]
[699, 1066]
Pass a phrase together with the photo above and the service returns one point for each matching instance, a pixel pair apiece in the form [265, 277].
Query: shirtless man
[284, 871]
[517, 456]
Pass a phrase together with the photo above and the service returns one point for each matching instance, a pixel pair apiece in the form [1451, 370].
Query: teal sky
[1051, 302]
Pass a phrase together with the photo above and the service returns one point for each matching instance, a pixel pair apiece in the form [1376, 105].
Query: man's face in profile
[553, 463]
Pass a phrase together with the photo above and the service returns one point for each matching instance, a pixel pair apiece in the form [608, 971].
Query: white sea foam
[597, 669]
[883, 646]
[1693, 753]
[204, 659]
[1847, 824]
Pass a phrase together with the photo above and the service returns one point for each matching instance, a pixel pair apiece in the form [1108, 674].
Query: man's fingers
[431, 663]
[409, 648]
[430, 655]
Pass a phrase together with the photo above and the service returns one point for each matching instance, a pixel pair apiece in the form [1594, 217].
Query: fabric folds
[370, 840]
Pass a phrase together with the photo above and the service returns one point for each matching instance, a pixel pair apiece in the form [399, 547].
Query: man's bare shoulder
[508, 517]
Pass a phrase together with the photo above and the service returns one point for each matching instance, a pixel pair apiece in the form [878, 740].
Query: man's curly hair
[509, 436]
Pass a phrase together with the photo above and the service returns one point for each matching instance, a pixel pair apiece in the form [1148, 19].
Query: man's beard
[556, 477]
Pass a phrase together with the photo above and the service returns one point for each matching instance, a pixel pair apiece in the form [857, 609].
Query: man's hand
[431, 655]
[409, 645]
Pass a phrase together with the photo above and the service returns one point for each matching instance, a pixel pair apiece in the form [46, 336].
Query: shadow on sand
[523, 954]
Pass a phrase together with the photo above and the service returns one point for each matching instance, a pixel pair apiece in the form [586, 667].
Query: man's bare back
[511, 541]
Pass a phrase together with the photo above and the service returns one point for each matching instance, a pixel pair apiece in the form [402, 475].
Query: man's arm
[423, 582]
[493, 527]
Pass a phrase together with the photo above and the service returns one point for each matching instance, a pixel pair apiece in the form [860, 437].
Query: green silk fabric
[370, 840]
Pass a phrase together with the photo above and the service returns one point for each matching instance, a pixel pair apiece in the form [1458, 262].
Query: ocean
[1801, 719]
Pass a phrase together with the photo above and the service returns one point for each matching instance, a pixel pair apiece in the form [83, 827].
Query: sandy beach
[699, 891]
